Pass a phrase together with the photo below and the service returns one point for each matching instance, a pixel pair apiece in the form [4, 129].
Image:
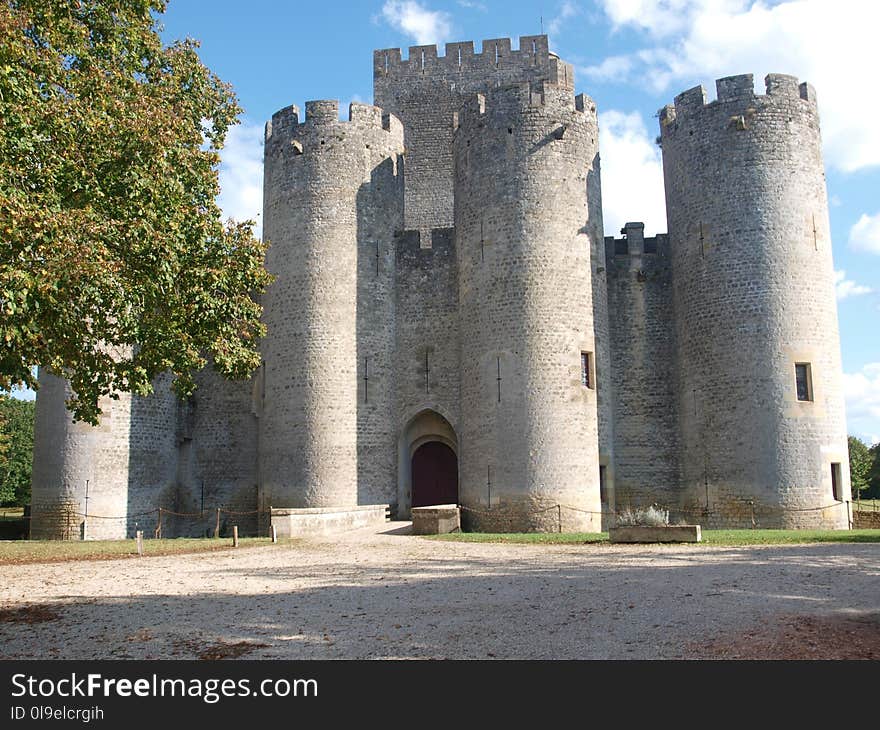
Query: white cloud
[631, 171]
[472, 5]
[862, 393]
[241, 174]
[567, 11]
[424, 26]
[848, 288]
[865, 234]
[830, 44]
[612, 68]
[662, 18]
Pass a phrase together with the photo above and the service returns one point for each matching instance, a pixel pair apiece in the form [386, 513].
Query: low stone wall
[308, 522]
[866, 520]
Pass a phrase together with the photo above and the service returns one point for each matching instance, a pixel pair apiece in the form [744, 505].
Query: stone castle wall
[643, 355]
[333, 198]
[97, 482]
[425, 91]
[441, 266]
[427, 337]
[753, 295]
[529, 429]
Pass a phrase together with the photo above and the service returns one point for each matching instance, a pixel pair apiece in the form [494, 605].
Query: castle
[450, 325]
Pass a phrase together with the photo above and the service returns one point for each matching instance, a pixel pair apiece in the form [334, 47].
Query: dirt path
[391, 595]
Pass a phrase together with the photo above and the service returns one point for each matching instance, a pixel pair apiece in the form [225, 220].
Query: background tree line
[864, 465]
[16, 451]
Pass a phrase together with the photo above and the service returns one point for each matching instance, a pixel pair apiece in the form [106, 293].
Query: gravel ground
[392, 595]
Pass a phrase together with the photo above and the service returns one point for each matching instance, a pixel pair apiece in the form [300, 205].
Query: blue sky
[632, 57]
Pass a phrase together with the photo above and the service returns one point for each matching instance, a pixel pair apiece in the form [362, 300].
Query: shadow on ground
[564, 602]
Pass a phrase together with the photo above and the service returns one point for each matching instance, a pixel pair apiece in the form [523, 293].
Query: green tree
[17, 425]
[115, 265]
[873, 491]
[860, 462]
[5, 445]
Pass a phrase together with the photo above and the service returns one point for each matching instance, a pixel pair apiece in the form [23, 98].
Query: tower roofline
[325, 112]
[533, 57]
[737, 88]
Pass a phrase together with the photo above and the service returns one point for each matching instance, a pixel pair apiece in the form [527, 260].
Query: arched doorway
[427, 427]
[434, 475]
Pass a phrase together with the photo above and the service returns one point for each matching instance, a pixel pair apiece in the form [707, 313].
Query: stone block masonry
[753, 297]
[448, 323]
[522, 157]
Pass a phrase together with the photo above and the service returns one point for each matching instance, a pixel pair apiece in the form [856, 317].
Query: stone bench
[437, 519]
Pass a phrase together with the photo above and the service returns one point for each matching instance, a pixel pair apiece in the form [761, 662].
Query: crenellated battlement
[460, 62]
[287, 122]
[522, 98]
[410, 244]
[460, 56]
[634, 243]
[739, 89]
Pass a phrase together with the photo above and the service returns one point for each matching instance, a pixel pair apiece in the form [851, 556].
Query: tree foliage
[17, 429]
[115, 264]
[874, 473]
[5, 445]
[860, 463]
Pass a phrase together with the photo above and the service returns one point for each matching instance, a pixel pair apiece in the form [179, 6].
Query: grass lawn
[710, 537]
[56, 551]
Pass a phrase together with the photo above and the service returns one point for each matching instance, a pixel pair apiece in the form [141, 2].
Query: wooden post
[559, 511]
[274, 534]
[139, 536]
[235, 536]
[217, 525]
[159, 525]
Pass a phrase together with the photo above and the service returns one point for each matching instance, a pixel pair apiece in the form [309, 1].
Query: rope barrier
[756, 511]
[749, 508]
[73, 513]
[166, 511]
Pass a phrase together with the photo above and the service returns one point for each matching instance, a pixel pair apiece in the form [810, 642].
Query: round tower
[79, 483]
[97, 482]
[525, 158]
[759, 373]
[333, 196]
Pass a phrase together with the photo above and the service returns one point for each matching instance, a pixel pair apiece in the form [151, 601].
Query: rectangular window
[587, 379]
[603, 487]
[835, 482]
[804, 381]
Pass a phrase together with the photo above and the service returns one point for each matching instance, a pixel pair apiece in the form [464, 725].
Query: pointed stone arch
[426, 426]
